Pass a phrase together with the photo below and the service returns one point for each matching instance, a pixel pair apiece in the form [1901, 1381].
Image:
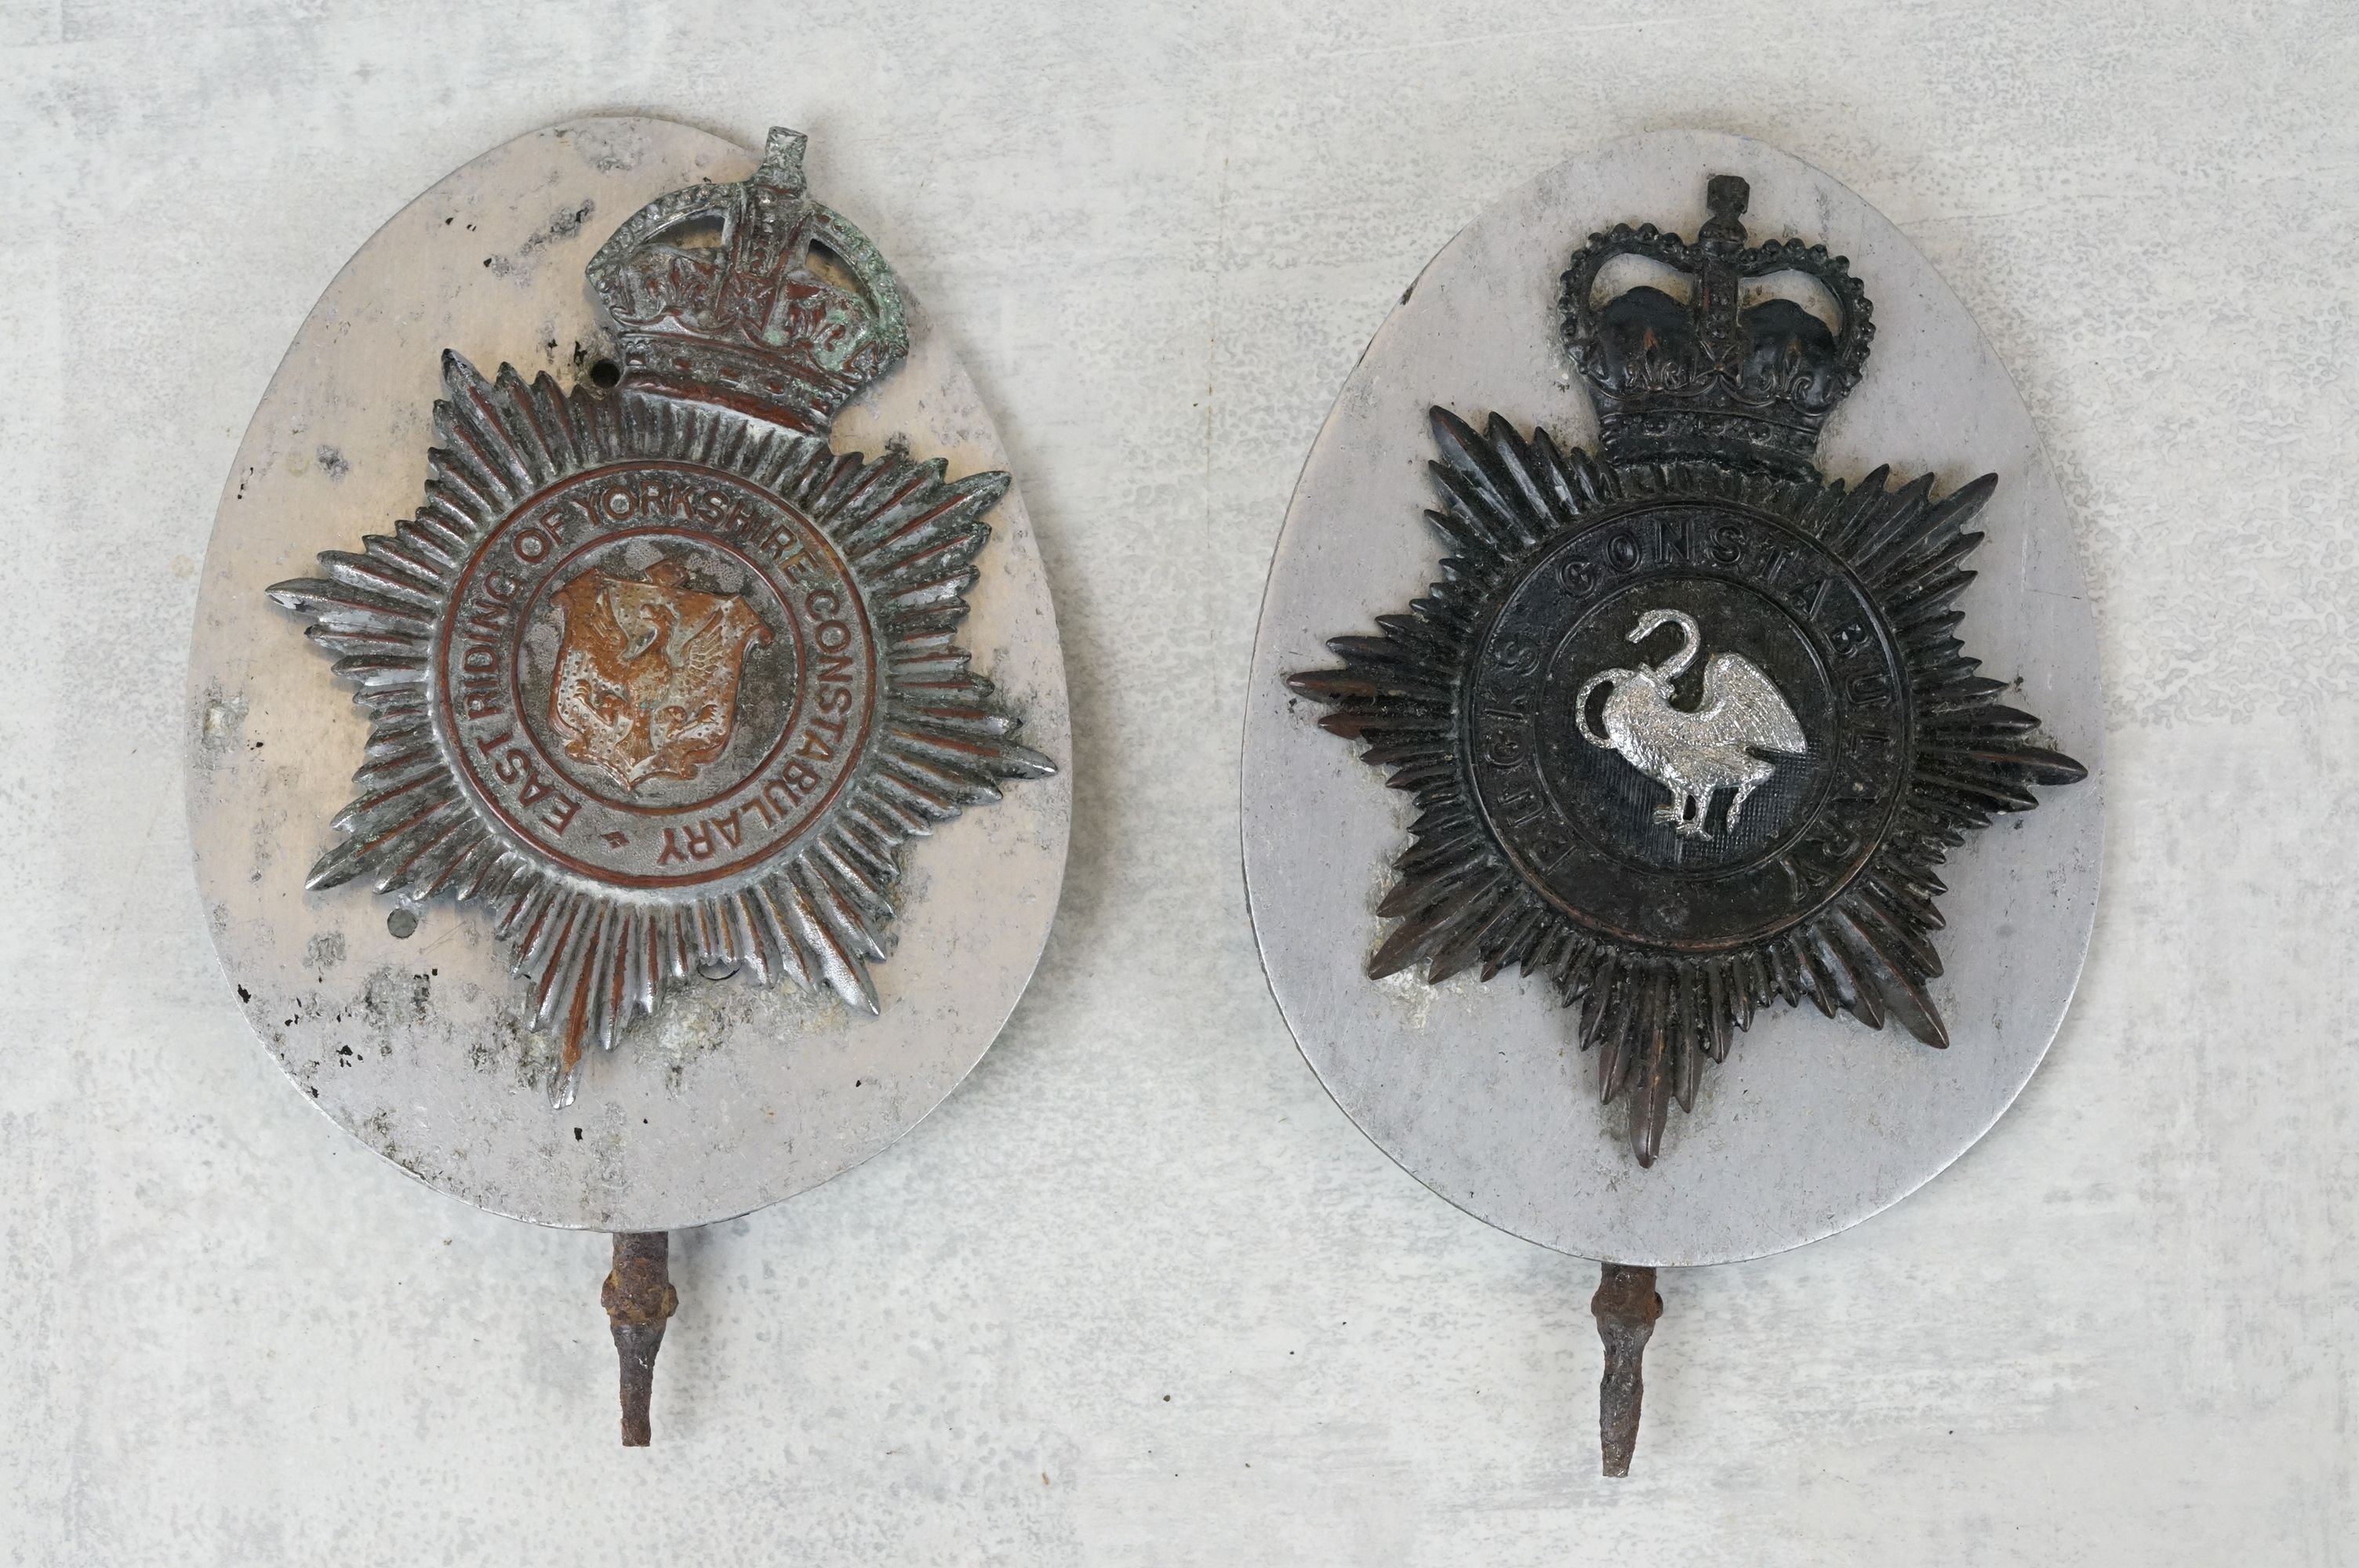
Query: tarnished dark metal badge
[1687, 722]
[654, 673]
[1685, 733]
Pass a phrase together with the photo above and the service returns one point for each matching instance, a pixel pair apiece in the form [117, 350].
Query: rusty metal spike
[1625, 1307]
[638, 1298]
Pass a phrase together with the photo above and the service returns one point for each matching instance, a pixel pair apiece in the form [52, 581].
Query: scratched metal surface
[2119, 1331]
[1813, 1123]
[733, 1095]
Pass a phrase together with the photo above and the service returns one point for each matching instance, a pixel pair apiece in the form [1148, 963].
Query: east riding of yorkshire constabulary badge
[1686, 722]
[654, 673]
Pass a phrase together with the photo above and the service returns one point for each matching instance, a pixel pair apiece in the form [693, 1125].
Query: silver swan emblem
[1692, 754]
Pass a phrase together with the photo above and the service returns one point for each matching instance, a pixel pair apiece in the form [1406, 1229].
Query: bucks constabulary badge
[654, 673]
[1687, 722]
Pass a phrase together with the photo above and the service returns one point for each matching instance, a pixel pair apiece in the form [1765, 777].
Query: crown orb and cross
[1712, 373]
[1751, 814]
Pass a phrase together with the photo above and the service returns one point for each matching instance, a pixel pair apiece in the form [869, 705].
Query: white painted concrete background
[1138, 1294]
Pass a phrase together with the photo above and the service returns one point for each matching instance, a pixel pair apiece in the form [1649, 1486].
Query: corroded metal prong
[1625, 1307]
[638, 1296]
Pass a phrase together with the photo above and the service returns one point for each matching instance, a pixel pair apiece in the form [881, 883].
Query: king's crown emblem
[1731, 370]
[751, 295]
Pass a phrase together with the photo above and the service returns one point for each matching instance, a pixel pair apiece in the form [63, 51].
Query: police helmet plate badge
[1680, 729]
[672, 740]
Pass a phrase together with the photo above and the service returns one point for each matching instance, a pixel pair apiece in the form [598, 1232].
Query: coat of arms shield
[648, 671]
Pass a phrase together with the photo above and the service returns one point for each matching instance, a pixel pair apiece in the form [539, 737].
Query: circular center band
[1687, 726]
[655, 675]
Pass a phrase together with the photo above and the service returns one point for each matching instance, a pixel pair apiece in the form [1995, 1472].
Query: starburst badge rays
[661, 679]
[1675, 847]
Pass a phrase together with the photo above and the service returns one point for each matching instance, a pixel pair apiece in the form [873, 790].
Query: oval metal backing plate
[1476, 1089]
[733, 1095]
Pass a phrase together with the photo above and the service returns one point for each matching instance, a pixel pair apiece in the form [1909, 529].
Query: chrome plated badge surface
[654, 673]
[402, 1018]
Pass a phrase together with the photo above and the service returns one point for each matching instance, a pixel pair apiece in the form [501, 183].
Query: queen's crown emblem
[1682, 838]
[751, 295]
[1718, 374]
